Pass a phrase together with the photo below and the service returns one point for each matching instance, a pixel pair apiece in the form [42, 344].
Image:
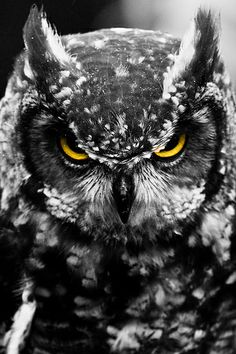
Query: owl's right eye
[68, 147]
[173, 148]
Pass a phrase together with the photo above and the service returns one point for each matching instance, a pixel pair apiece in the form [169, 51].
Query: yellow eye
[69, 148]
[174, 147]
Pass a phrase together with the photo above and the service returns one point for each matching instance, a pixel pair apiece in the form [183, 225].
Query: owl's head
[122, 130]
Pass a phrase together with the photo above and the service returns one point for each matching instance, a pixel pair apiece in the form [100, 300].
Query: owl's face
[122, 135]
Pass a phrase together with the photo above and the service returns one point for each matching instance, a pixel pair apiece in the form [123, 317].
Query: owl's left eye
[68, 146]
[173, 148]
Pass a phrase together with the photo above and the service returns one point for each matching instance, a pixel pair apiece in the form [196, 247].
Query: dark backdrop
[69, 16]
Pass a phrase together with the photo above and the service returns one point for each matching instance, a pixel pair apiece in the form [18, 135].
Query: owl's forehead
[115, 102]
[122, 62]
[133, 46]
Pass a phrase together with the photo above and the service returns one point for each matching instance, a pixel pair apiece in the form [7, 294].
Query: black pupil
[172, 143]
[71, 142]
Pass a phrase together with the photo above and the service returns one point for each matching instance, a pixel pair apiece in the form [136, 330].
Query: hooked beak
[123, 194]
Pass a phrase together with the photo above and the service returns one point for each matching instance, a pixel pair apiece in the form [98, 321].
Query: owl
[117, 177]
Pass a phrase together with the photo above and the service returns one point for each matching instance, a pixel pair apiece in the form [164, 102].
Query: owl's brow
[166, 136]
[129, 162]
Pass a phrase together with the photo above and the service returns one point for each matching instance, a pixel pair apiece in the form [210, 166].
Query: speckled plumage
[124, 252]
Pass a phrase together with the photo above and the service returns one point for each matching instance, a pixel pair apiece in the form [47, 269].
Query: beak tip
[124, 217]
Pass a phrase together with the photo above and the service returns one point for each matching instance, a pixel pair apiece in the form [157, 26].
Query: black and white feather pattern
[123, 251]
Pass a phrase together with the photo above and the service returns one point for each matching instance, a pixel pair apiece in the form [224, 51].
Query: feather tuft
[43, 44]
[198, 54]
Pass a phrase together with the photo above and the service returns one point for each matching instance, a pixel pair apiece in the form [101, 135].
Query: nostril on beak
[123, 194]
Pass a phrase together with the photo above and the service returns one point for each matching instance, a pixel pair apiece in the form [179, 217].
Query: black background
[69, 16]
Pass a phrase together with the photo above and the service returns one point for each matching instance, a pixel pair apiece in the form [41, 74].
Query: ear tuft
[43, 45]
[206, 46]
[199, 53]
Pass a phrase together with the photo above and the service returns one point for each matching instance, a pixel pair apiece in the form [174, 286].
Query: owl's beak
[123, 194]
